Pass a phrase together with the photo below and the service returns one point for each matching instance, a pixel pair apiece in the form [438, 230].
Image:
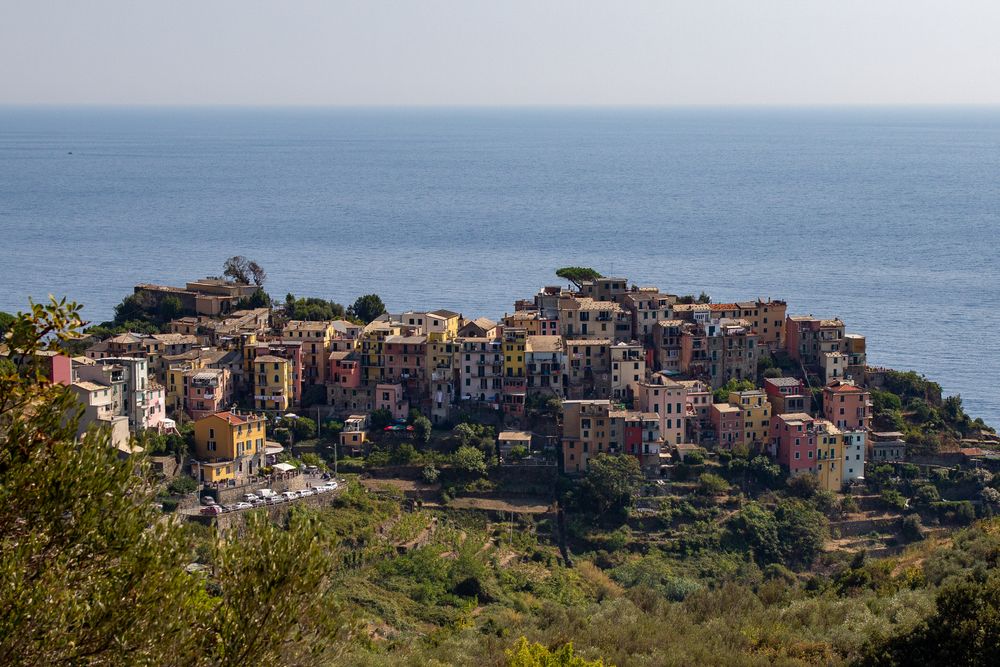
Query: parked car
[229, 508]
[266, 493]
[250, 498]
[275, 499]
[211, 510]
[207, 500]
[306, 492]
[243, 506]
[289, 495]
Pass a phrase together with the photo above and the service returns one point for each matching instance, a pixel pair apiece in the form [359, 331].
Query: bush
[182, 485]
[926, 495]
[429, 474]
[694, 458]
[803, 486]
[711, 484]
[912, 529]
[893, 499]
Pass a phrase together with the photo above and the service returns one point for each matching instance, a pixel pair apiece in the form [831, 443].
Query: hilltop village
[601, 366]
[654, 477]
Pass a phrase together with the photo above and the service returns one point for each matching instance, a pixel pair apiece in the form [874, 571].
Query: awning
[283, 467]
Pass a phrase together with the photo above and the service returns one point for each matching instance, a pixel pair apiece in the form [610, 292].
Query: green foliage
[711, 484]
[654, 572]
[792, 533]
[803, 486]
[721, 395]
[315, 460]
[611, 483]
[535, 655]
[366, 308]
[519, 452]
[926, 495]
[312, 309]
[885, 401]
[302, 428]
[182, 485]
[429, 474]
[422, 429]
[259, 299]
[469, 459]
[379, 419]
[313, 395]
[6, 320]
[893, 499]
[578, 274]
[911, 528]
[965, 630]
[695, 457]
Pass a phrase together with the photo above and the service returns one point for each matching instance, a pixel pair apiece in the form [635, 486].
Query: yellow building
[514, 346]
[272, 383]
[755, 413]
[829, 455]
[228, 445]
[316, 338]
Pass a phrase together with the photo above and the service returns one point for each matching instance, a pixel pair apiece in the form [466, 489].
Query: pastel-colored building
[628, 369]
[793, 442]
[808, 338]
[727, 423]
[228, 446]
[586, 432]
[829, 456]
[545, 366]
[345, 369]
[273, 388]
[667, 399]
[847, 405]
[755, 414]
[787, 394]
[479, 366]
[316, 338]
[583, 317]
[391, 397]
[207, 391]
[855, 455]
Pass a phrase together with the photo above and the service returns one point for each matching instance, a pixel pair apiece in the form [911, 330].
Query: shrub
[912, 530]
[893, 499]
[711, 484]
[182, 485]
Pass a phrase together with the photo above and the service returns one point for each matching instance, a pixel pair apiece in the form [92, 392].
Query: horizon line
[513, 107]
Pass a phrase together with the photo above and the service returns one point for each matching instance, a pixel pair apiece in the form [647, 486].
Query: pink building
[793, 442]
[668, 399]
[345, 369]
[390, 397]
[207, 391]
[728, 425]
[787, 394]
[847, 406]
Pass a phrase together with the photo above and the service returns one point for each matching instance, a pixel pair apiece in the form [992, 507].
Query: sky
[499, 52]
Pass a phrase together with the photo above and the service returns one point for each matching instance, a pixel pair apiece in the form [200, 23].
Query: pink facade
[390, 397]
[668, 399]
[728, 425]
[847, 406]
[207, 391]
[345, 370]
[793, 442]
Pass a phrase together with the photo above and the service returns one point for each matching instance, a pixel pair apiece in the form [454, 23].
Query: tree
[965, 630]
[170, 308]
[379, 419]
[259, 299]
[366, 308]
[244, 271]
[578, 274]
[312, 309]
[6, 320]
[524, 654]
[92, 573]
[711, 484]
[611, 482]
[303, 428]
[803, 486]
[422, 430]
[470, 460]
[721, 395]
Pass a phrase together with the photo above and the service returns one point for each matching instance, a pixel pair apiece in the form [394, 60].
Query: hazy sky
[501, 52]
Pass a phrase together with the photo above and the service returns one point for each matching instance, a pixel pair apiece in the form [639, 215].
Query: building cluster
[634, 369]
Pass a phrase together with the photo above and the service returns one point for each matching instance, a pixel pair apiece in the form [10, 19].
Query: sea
[888, 218]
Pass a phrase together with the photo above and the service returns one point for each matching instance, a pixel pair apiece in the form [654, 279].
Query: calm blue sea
[887, 218]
